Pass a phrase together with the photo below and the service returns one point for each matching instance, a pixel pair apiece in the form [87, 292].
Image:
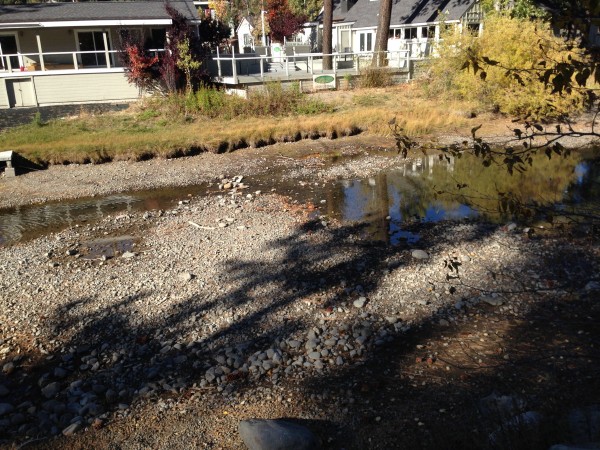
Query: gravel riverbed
[166, 328]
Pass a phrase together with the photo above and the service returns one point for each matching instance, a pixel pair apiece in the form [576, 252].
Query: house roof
[364, 13]
[101, 12]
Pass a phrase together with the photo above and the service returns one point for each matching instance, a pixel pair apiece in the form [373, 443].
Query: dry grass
[141, 133]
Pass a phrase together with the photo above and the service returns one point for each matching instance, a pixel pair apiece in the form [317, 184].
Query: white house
[244, 35]
[65, 53]
[414, 24]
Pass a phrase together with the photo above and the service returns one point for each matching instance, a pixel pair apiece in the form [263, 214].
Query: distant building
[65, 53]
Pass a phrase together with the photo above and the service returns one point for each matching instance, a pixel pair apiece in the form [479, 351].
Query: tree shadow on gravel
[106, 361]
[430, 388]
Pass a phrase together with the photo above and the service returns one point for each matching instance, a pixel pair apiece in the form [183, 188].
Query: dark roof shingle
[364, 13]
[54, 12]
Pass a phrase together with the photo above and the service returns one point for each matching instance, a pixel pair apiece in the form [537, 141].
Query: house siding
[83, 88]
[64, 89]
[3, 94]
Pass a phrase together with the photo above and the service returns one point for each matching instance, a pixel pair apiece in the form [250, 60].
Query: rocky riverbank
[166, 328]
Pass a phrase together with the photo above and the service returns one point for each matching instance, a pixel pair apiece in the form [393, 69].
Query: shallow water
[391, 204]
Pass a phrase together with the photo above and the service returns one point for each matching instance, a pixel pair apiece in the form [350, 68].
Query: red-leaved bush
[282, 21]
[140, 66]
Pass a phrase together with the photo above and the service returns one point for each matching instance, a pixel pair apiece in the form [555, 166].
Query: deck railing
[77, 60]
[240, 64]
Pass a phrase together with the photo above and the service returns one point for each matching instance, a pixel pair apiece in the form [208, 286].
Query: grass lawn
[146, 131]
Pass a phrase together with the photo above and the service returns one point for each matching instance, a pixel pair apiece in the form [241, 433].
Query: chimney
[344, 6]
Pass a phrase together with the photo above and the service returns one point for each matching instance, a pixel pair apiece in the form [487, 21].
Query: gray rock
[51, 390]
[210, 375]
[128, 255]
[491, 300]
[6, 408]
[71, 429]
[8, 368]
[294, 343]
[523, 423]
[419, 254]
[584, 424]
[311, 344]
[17, 419]
[185, 276]
[260, 434]
[314, 355]
[59, 372]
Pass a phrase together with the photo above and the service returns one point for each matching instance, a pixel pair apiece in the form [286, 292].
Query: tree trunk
[383, 31]
[327, 33]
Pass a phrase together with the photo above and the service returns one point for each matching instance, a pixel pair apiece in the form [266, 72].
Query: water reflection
[27, 222]
[390, 204]
[394, 198]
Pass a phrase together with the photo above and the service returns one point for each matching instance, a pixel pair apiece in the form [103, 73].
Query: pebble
[491, 300]
[419, 254]
[360, 302]
[72, 429]
[185, 276]
[51, 390]
[6, 408]
[8, 368]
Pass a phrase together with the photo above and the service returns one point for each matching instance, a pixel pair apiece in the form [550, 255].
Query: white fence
[232, 66]
[76, 60]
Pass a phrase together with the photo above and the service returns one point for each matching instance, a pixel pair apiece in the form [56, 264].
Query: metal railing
[350, 62]
[76, 60]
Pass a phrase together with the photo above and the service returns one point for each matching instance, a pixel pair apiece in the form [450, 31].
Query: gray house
[414, 24]
[66, 53]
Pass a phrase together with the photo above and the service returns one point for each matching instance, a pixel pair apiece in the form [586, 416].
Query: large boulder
[264, 434]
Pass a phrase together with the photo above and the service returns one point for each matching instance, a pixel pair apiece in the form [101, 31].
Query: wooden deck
[237, 71]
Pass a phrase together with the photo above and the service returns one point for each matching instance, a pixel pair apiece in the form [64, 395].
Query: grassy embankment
[169, 128]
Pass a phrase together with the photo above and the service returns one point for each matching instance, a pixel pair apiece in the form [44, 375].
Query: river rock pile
[196, 307]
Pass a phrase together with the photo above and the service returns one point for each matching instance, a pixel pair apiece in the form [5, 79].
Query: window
[410, 33]
[158, 39]
[473, 28]
[8, 46]
[428, 32]
[365, 41]
[92, 41]
[130, 35]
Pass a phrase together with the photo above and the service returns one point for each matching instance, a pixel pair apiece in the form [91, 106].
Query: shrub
[514, 44]
[273, 100]
[375, 77]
